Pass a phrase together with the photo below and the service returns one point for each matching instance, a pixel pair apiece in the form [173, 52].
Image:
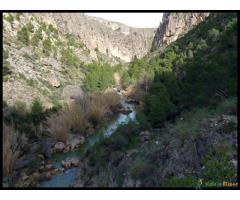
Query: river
[67, 178]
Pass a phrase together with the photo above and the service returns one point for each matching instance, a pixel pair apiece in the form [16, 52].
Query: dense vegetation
[27, 120]
[194, 78]
[99, 77]
[171, 156]
[198, 69]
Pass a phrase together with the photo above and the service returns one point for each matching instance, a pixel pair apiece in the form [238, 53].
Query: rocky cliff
[110, 38]
[46, 52]
[174, 25]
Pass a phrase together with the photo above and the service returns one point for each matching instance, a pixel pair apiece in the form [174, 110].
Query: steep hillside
[175, 25]
[110, 38]
[44, 53]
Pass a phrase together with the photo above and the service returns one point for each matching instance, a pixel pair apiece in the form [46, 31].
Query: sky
[138, 20]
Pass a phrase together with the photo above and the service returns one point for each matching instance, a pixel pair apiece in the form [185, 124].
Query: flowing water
[67, 178]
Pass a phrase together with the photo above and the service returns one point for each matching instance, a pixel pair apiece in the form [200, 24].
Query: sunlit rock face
[110, 38]
[174, 25]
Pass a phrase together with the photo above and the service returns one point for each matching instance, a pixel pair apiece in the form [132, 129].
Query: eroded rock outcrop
[174, 25]
[112, 39]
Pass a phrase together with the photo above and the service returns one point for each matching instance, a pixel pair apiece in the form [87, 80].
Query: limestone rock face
[174, 25]
[110, 38]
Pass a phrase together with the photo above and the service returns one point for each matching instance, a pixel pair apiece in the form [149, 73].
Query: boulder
[70, 162]
[75, 141]
[59, 147]
[49, 166]
[67, 149]
[72, 92]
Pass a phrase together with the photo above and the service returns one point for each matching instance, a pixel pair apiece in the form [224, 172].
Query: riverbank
[57, 163]
[67, 177]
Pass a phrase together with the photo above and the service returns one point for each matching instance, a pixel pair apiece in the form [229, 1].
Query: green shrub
[125, 79]
[71, 41]
[43, 26]
[175, 181]
[5, 78]
[202, 45]
[21, 106]
[99, 77]
[214, 34]
[31, 82]
[47, 47]
[9, 18]
[37, 37]
[69, 58]
[130, 132]
[18, 16]
[23, 35]
[53, 30]
[218, 168]
[140, 69]
[37, 112]
[158, 105]
[142, 120]
[228, 106]
[30, 27]
[228, 127]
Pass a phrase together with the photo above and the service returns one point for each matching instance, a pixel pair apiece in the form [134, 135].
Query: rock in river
[75, 141]
[59, 147]
[125, 110]
[70, 162]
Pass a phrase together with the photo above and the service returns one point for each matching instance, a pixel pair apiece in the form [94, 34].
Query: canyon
[89, 102]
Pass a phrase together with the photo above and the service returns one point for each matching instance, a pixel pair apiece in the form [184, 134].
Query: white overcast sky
[138, 20]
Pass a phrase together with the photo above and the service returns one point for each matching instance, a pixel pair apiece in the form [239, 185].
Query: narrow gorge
[89, 102]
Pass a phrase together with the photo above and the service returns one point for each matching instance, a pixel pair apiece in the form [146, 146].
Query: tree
[37, 112]
[157, 105]
[99, 77]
